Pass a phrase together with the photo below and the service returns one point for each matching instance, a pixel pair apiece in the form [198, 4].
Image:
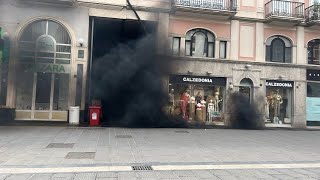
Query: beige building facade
[268, 50]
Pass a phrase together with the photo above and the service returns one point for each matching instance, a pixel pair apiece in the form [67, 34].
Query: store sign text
[279, 84]
[48, 68]
[206, 80]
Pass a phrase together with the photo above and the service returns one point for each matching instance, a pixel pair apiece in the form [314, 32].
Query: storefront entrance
[246, 88]
[313, 97]
[43, 72]
[196, 98]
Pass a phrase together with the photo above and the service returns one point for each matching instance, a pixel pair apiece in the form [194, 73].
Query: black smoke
[128, 81]
[243, 114]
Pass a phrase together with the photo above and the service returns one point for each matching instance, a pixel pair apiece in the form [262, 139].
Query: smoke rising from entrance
[128, 82]
[243, 114]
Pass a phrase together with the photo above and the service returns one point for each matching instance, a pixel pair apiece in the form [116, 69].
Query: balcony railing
[313, 13]
[284, 9]
[227, 5]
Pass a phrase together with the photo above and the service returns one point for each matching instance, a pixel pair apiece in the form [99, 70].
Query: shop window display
[278, 103]
[197, 102]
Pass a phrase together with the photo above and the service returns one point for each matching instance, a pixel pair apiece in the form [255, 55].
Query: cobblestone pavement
[64, 147]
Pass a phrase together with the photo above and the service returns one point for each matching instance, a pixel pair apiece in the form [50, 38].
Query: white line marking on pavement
[235, 166]
[157, 168]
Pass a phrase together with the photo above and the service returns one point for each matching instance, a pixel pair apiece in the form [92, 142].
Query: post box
[95, 115]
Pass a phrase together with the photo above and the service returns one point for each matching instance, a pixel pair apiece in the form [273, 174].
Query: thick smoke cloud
[243, 114]
[128, 82]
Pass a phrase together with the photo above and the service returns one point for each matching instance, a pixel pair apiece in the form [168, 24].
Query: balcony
[225, 8]
[284, 11]
[51, 2]
[312, 14]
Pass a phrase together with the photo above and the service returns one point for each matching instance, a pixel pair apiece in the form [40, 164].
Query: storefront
[43, 69]
[197, 98]
[313, 97]
[279, 102]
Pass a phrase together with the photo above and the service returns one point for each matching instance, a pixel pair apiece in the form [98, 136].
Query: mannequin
[204, 110]
[266, 107]
[210, 111]
[185, 99]
[171, 102]
[198, 98]
[192, 108]
[277, 101]
[199, 112]
[217, 101]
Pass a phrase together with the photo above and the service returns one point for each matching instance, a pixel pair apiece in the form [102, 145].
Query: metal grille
[123, 136]
[142, 168]
[182, 131]
[60, 145]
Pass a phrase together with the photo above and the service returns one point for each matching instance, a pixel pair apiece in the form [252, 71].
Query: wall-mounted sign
[206, 80]
[48, 68]
[45, 44]
[283, 84]
[313, 75]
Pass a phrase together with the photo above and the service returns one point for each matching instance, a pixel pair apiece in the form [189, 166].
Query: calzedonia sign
[187, 79]
[283, 84]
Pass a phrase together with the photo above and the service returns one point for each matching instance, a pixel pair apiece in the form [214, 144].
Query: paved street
[28, 152]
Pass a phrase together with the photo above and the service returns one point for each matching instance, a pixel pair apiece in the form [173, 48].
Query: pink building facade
[266, 50]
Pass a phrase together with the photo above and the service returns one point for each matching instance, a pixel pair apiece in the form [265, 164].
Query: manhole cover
[60, 145]
[142, 168]
[182, 131]
[123, 136]
[80, 155]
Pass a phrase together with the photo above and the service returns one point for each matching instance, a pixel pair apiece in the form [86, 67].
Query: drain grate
[123, 136]
[142, 168]
[80, 155]
[60, 145]
[181, 131]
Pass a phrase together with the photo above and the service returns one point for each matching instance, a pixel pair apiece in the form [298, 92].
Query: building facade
[266, 49]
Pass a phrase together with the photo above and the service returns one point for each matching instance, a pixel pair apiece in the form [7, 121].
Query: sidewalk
[71, 147]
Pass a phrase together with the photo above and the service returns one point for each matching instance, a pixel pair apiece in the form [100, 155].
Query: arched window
[314, 51]
[278, 49]
[43, 71]
[200, 43]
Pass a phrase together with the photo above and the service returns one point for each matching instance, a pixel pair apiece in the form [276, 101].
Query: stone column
[234, 51]
[301, 58]
[162, 32]
[182, 46]
[217, 49]
[299, 105]
[260, 57]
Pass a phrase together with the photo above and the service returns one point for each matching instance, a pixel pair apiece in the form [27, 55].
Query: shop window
[200, 43]
[176, 45]
[202, 102]
[313, 102]
[4, 64]
[314, 52]
[43, 69]
[278, 49]
[223, 49]
[278, 102]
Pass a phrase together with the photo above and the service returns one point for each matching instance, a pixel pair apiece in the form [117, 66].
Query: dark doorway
[108, 34]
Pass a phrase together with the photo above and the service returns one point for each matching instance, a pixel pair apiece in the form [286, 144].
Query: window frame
[207, 44]
[270, 49]
[310, 49]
